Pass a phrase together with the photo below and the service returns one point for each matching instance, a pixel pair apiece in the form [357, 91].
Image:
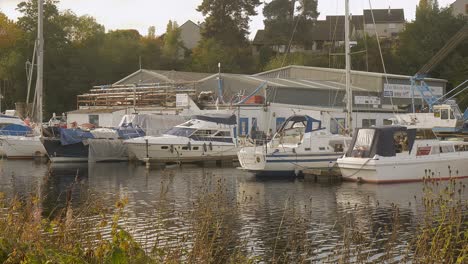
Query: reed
[93, 233]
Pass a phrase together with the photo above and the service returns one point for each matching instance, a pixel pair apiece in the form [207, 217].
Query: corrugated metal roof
[95, 111]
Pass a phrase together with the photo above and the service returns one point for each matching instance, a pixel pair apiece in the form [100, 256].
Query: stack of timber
[136, 95]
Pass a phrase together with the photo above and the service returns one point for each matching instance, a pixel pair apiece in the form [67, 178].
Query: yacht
[401, 154]
[18, 140]
[301, 143]
[203, 137]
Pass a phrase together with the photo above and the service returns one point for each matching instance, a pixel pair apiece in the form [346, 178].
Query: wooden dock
[325, 174]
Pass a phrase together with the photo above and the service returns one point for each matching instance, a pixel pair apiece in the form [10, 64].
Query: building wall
[460, 7]
[387, 30]
[190, 34]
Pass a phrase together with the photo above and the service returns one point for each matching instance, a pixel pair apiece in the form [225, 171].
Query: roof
[384, 15]
[259, 37]
[159, 76]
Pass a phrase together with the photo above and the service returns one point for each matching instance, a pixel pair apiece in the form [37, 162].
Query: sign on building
[367, 100]
[404, 91]
[182, 100]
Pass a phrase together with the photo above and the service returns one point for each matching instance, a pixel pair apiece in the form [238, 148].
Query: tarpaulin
[15, 130]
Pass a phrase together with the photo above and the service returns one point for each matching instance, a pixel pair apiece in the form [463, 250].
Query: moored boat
[203, 137]
[399, 154]
[300, 144]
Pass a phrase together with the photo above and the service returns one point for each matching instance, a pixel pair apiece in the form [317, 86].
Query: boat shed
[299, 85]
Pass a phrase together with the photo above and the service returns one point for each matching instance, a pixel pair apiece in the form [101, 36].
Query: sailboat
[301, 143]
[29, 145]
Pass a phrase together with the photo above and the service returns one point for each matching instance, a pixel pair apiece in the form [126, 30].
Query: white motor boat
[301, 143]
[203, 137]
[399, 154]
[17, 140]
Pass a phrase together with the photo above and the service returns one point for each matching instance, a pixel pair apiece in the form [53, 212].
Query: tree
[282, 17]
[227, 21]
[152, 32]
[172, 44]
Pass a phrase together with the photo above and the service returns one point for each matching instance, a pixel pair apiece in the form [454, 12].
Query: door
[243, 126]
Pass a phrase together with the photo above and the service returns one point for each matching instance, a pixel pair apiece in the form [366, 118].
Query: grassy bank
[96, 234]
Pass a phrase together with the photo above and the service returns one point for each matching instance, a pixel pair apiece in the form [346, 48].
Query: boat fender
[204, 147]
[172, 148]
[211, 146]
[294, 150]
[189, 146]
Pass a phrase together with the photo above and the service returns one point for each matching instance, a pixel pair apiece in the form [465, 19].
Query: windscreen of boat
[363, 144]
[180, 131]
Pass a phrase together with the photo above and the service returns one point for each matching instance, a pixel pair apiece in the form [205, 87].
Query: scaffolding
[155, 94]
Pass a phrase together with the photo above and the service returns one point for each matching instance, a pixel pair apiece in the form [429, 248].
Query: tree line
[80, 53]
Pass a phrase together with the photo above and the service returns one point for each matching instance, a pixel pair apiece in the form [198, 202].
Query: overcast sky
[141, 14]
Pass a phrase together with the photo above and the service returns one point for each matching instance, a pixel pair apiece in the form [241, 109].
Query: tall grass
[96, 234]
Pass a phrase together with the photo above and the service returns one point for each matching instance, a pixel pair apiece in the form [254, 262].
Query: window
[400, 141]
[444, 114]
[387, 122]
[437, 113]
[370, 26]
[368, 123]
[94, 119]
[204, 133]
[164, 147]
[223, 134]
[446, 149]
[180, 132]
[363, 143]
[337, 125]
[392, 26]
[451, 115]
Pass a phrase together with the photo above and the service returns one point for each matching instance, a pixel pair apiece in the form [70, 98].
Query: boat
[392, 154]
[74, 144]
[203, 137]
[300, 144]
[18, 140]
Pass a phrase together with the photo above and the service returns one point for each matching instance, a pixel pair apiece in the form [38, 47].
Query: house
[190, 34]
[388, 22]
[330, 32]
[460, 7]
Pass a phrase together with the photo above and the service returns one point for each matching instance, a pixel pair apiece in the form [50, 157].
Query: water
[263, 217]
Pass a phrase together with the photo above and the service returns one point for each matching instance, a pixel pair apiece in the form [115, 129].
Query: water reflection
[159, 199]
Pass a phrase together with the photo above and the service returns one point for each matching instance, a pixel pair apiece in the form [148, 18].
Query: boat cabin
[383, 141]
[219, 128]
[293, 129]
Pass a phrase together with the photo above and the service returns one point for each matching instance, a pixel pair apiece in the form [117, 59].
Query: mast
[40, 61]
[349, 92]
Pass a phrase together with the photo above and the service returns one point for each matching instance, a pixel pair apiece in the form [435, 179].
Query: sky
[141, 14]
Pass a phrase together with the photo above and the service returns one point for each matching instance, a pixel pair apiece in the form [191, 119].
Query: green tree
[227, 21]
[172, 48]
[282, 17]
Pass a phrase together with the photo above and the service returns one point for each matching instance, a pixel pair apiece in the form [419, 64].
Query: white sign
[182, 100]
[404, 91]
[367, 100]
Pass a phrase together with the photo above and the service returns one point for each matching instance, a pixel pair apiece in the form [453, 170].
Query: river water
[263, 205]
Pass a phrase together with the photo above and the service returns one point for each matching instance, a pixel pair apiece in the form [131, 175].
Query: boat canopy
[217, 118]
[305, 119]
[384, 141]
[14, 130]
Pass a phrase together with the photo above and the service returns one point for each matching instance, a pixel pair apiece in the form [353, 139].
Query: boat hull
[393, 170]
[57, 152]
[254, 160]
[21, 147]
[182, 153]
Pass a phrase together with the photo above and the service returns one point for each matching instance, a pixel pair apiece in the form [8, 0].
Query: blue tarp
[15, 130]
[70, 136]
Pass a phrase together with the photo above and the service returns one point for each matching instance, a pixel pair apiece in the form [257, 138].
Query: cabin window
[337, 125]
[444, 115]
[338, 146]
[437, 113]
[446, 149]
[195, 148]
[425, 134]
[164, 147]
[451, 115]
[460, 148]
[184, 148]
[321, 148]
[204, 133]
[368, 123]
[94, 119]
[363, 143]
[180, 132]
[223, 134]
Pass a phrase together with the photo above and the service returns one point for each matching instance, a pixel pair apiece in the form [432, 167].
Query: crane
[417, 81]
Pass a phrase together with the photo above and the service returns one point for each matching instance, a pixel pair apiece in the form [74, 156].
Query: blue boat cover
[70, 136]
[15, 130]
[217, 118]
